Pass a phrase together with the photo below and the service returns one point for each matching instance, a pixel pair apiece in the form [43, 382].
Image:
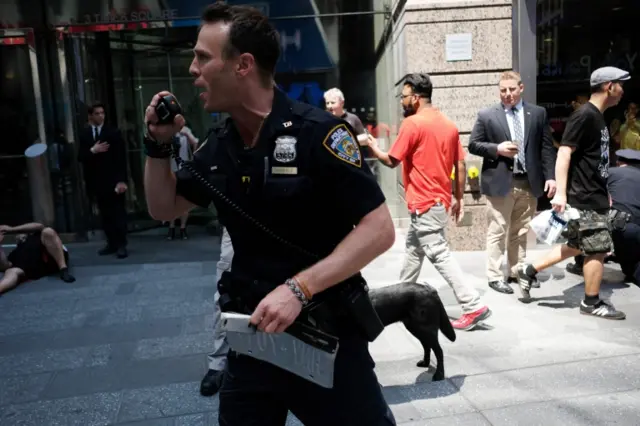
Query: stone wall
[461, 88]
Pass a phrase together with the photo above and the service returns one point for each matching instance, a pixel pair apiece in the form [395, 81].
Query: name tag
[284, 170]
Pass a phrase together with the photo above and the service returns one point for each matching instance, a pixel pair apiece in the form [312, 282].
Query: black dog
[421, 311]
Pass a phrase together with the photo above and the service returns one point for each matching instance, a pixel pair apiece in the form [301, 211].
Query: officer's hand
[161, 132]
[277, 311]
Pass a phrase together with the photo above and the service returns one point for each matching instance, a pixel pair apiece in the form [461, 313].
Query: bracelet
[155, 150]
[293, 286]
[303, 286]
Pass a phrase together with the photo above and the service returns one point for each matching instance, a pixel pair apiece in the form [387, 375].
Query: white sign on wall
[459, 47]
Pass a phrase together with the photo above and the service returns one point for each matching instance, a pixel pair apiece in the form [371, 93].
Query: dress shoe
[501, 287]
[107, 250]
[122, 253]
[211, 383]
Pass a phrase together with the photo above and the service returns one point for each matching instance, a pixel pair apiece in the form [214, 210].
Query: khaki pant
[509, 218]
[426, 238]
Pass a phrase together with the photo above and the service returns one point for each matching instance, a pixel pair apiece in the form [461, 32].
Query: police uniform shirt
[305, 180]
[624, 190]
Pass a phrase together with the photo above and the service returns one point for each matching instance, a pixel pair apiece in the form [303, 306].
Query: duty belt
[618, 219]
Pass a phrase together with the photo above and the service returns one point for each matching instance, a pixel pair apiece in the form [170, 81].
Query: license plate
[312, 360]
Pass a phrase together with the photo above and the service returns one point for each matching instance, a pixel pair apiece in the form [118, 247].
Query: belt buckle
[309, 354]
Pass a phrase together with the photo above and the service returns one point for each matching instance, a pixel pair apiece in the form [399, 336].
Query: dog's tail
[445, 323]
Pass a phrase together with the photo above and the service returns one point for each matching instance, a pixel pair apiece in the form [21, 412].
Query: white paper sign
[459, 47]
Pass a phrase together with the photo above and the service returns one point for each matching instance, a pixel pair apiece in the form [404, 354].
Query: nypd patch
[341, 143]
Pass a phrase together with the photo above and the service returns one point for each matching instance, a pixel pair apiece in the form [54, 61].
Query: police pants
[627, 248]
[218, 357]
[255, 393]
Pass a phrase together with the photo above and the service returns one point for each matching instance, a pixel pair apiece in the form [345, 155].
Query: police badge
[285, 151]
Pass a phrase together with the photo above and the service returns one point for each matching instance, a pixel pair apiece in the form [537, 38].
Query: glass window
[575, 37]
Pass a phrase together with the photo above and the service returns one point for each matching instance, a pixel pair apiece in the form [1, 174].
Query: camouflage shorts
[590, 233]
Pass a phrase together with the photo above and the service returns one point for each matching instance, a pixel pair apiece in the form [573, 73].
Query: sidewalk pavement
[126, 345]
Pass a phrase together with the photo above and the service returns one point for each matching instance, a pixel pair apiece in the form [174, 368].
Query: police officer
[299, 171]
[625, 204]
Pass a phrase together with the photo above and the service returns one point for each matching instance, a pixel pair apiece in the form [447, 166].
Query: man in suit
[514, 138]
[103, 156]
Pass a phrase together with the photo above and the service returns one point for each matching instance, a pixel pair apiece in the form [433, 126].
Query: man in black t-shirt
[38, 253]
[582, 169]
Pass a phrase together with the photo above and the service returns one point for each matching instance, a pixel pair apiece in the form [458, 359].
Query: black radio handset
[167, 109]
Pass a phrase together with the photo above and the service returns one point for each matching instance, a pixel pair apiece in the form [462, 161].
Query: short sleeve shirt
[428, 145]
[587, 132]
[305, 180]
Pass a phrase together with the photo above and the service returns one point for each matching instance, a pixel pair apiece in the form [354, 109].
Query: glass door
[21, 122]
[125, 69]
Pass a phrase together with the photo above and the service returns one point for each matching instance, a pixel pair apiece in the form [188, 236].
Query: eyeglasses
[402, 95]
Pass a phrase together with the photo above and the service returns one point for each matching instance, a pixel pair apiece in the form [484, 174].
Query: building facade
[466, 44]
[57, 57]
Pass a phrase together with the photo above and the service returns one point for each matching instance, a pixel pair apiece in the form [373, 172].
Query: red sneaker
[469, 320]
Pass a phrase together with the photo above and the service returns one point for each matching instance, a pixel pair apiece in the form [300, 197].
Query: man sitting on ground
[38, 253]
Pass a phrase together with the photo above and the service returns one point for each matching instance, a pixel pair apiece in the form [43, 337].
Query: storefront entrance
[20, 121]
[124, 69]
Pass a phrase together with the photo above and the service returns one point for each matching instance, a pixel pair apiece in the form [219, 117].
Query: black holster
[618, 220]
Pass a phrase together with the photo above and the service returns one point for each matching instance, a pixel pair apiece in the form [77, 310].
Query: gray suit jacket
[491, 129]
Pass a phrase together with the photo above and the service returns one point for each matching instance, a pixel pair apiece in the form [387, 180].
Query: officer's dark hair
[420, 84]
[95, 106]
[250, 32]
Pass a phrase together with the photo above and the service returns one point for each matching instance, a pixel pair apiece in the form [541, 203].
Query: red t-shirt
[428, 145]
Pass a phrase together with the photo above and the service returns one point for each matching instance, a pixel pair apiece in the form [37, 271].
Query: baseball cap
[608, 74]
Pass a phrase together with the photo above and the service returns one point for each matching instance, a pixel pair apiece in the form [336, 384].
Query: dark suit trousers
[114, 217]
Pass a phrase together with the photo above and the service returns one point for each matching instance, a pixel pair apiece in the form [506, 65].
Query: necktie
[96, 133]
[519, 134]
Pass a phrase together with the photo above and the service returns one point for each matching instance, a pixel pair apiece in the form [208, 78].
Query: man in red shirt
[428, 145]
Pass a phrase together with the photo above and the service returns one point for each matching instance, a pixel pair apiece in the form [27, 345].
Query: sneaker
[469, 320]
[602, 309]
[526, 282]
[183, 234]
[514, 280]
[171, 234]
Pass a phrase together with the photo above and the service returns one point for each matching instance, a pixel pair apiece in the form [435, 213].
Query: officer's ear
[245, 63]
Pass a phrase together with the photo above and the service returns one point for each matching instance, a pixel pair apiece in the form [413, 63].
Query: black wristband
[155, 150]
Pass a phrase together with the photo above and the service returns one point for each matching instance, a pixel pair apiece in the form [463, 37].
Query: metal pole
[40, 184]
[166, 32]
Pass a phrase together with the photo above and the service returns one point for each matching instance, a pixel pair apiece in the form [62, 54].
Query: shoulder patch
[342, 144]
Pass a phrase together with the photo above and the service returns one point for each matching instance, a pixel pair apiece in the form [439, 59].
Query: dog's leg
[422, 335]
[437, 350]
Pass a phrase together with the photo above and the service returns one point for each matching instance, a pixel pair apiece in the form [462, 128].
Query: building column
[463, 83]
[524, 45]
